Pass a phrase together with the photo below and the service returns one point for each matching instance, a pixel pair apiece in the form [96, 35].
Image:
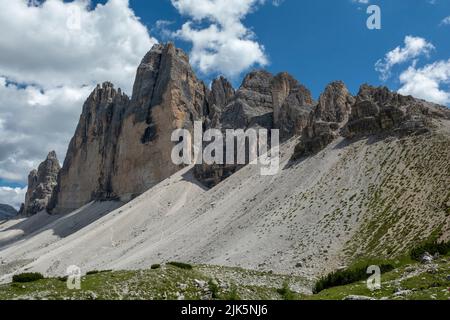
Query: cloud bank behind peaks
[52, 54]
[220, 41]
[432, 82]
[59, 43]
[12, 196]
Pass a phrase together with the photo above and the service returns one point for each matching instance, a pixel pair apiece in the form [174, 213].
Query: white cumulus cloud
[413, 48]
[430, 82]
[12, 196]
[34, 122]
[58, 43]
[52, 54]
[224, 45]
[446, 21]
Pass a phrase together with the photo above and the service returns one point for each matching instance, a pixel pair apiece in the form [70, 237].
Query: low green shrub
[89, 273]
[214, 288]
[233, 295]
[181, 265]
[27, 277]
[155, 266]
[286, 292]
[432, 248]
[346, 276]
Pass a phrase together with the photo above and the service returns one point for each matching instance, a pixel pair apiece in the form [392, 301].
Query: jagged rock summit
[41, 183]
[262, 101]
[374, 111]
[122, 146]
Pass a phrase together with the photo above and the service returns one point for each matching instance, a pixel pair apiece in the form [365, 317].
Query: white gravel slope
[298, 221]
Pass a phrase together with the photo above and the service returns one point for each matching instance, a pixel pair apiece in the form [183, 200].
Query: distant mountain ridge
[7, 212]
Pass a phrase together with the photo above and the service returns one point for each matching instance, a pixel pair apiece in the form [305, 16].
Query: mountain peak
[52, 155]
[41, 183]
[120, 144]
[257, 80]
[334, 103]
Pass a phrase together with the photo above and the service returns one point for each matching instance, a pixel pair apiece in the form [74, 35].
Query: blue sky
[322, 41]
[54, 52]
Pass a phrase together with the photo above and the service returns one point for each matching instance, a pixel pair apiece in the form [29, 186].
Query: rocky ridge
[262, 101]
[122, 146]
[374, 111]
[372, 181]
[41, 183]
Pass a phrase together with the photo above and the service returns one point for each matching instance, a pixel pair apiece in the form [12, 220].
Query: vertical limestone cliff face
[167, 96]
[292, 103]
[326, 119]
[41, 183]
[122, 146]
[89, 164]
[222, 92]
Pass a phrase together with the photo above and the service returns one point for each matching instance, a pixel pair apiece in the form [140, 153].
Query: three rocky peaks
[122, 145]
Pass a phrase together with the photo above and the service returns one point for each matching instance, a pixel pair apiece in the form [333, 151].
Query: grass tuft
[180, 265]
[27, 277]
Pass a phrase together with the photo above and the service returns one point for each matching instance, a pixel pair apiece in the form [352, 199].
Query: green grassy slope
[413, 281]
[409, 282]
[167, 282]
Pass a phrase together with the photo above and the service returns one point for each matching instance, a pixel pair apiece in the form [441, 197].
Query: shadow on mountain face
[60, 225]
[189, 177]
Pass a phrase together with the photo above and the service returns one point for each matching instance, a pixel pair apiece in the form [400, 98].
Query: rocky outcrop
[251, 107]
[262, 101]
[267, 101]
[326, 119]
[222, 92]
[7, 212]
[375, 110]
[379, 110]
[176, 100]
[292, 103]
[122, 146]
[41, 183]
[89, 165]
